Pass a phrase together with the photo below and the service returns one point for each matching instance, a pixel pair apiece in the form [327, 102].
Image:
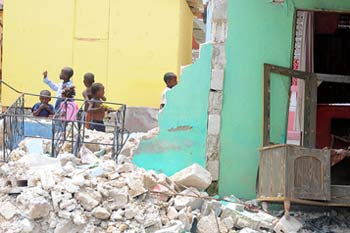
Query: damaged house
[274, 72]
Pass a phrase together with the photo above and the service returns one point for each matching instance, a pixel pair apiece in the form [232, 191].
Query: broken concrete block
[183, 201]
[67, 226]
[26, 226]
[79, 218]
[135, 184]
[117, 216]
[228, 222]
[119, 196]
[33, 207]
[131, 211]
[209, 206]
[101, 213]
[255, 221]
[7, 210]
[172, 227]
[86, 200]
[193, 176]
[172, 213]
[248, 230]
[290, 225]
[208, 224]
[64, 214]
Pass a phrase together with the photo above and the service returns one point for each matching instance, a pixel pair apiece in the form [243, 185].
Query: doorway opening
[322, 46]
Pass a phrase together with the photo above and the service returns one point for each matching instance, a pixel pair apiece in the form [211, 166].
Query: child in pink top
[69, 107]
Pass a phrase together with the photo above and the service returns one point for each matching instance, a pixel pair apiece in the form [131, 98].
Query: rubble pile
[94, 193]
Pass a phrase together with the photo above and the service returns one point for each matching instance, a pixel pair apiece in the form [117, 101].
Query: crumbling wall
[259, 32]
[183, 122]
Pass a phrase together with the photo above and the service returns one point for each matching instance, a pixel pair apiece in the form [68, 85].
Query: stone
[116, 216]
[119, 196]
[255, 221]
[34, 207]
[86, 200]
[65, 158]
[193, 176]
[101, 213]
[135, 184]
[67, 226]
[217, 79]
[7, 210]
[69, 186]
[209, 206]
[131, 211]
[26, 226]
[79, 218]
[290, 225]
[183, 201]
[214, 124]
[228, 223]
[215, 102]
[208, 224]
[173, 227]
[69, 205]
[64, 214]
[172, 213]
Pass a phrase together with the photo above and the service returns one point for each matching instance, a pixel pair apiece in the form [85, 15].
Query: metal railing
[64, 128]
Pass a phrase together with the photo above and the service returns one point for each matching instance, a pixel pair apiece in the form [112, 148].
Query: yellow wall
[129, 45]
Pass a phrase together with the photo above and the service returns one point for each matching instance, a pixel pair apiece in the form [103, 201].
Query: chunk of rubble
[33, 205]
[101, 213]
[289, 224]
[193, 176]
[7, 210]
[87, 200]
[208, 224]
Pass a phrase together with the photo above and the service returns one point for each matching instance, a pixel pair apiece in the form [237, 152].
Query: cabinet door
[309, 173]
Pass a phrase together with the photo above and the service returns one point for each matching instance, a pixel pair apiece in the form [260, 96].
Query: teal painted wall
[183, 122]
[259, 32]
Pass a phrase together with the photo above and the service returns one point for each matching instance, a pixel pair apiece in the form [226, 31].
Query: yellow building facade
[128, 45]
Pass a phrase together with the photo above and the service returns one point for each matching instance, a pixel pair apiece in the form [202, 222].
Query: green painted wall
[259, 32]
[183, 122]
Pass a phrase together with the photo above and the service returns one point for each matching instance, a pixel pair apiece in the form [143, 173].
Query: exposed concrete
[141, 119]
[218, 38]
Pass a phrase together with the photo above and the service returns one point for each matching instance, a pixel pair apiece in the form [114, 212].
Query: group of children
[93, 95]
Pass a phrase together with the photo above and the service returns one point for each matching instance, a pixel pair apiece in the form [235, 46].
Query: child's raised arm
[53, 86]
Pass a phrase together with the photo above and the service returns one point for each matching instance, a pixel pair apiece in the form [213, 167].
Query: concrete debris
[290, 225]
[7, 210]
[97, 194]
[193, 176]
[208, 224]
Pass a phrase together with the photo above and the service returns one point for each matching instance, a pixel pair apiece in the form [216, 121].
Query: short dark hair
[69, 71]
[90, 77]
[69, 92]
[45, 93]
[95, 88]
[168, 76]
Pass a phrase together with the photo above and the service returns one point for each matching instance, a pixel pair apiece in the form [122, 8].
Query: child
[96, 108]
[170, 80]
[65, 76]
[68, 106]
[43, 109]
[89, 79]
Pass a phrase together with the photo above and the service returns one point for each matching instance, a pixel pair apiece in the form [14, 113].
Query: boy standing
[65, 76]
[96, 108]
[89, 79]
[43, 108]
[170, 80]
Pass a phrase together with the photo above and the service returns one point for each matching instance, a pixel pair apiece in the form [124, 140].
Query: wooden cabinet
[294, 172]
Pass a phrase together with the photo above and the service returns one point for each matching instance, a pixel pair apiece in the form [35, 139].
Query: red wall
[325, 113]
